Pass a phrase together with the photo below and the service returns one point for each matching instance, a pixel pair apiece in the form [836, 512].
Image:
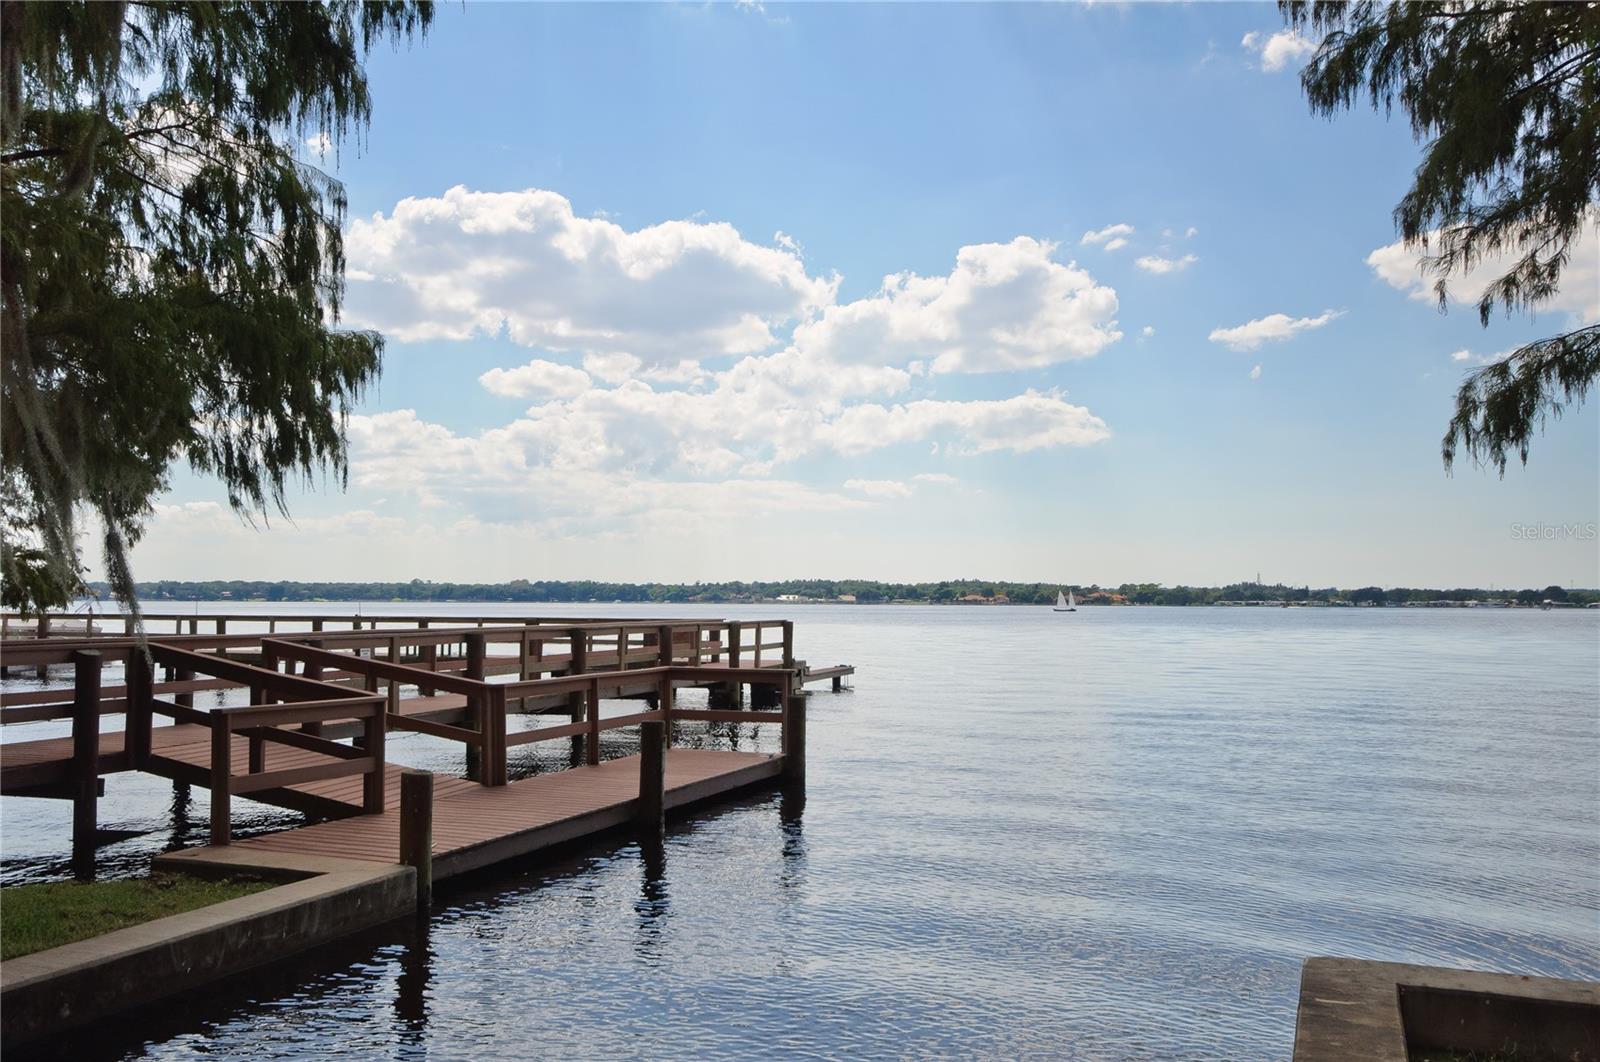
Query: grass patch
[46, 915]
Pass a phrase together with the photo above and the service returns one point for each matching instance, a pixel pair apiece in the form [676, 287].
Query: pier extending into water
[314, 683]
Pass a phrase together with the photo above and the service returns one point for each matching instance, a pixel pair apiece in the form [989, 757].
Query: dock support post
[591, 740]
[416, 831]
[735, 656]
[495, 746]
[221, 773]
[838, 683]
[374, 730]
[794, 736]
[577, 664]
[43, 670]
[85, 759]
[430, 660]
[141, 697]
[313, 671]
[651, 819]
[477, 656]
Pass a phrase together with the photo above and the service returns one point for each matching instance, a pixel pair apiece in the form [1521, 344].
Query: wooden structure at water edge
[303, 709]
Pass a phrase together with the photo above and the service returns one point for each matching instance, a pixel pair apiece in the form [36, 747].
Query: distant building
[848, 599]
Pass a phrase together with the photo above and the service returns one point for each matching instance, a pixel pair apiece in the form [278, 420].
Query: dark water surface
[1108, 835]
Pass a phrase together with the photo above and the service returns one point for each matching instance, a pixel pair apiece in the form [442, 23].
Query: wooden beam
[85, 759]
[591, 741]
[138, 719]
[221, 777]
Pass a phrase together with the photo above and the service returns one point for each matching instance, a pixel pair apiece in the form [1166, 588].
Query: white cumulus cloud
[1004, 306]
[649, 376]
[478, 263]
[536, 379]
[1030, 421]
[1403, 268]
[1255, 373]
[1273, 328]
[1108, 234]
[1153, 263]
[1278, 50]
[880, 488]
[1467, 357]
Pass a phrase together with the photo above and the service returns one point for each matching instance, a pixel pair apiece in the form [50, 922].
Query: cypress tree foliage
[171, 270]
[1508, 97]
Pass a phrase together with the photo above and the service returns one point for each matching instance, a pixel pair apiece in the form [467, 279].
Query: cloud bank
[681, 357]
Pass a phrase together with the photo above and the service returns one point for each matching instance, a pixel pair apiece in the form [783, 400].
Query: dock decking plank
[525, 814]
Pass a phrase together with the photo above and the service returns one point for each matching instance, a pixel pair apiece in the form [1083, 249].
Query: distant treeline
[862, 591]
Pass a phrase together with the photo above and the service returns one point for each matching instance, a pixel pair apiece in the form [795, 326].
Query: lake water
[1112, 834]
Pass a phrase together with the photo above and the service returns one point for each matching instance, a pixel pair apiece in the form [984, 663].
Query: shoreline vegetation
[855, 591]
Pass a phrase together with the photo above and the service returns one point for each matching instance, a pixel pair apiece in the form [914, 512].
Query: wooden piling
[794, 735]
[591, 740]
[141, 701]
[429, 660]
[43, 670]
[416, 831]
[495, 737]
[477, 656]
[735, 653]
[651, 818]
[577, 664]
[221, 772]
[86, 666]
[311, 670]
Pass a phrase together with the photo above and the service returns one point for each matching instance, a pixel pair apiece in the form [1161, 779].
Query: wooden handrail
[273, 681]
[355, 706]
[368, 667]
[258, 722]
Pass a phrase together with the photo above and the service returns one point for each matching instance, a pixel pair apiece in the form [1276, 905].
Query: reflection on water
[1112, 836]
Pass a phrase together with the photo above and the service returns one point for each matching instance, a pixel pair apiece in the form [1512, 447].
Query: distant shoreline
[964, 592]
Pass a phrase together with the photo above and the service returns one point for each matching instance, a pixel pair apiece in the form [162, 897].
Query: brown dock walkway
[474, 825]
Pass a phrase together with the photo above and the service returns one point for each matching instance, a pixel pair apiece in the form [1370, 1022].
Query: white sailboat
[1065, 602]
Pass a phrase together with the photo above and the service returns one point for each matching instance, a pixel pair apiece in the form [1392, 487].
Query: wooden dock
[475, 826]
[308, 692]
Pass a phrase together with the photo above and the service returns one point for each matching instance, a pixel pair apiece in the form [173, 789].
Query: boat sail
[1065, 602]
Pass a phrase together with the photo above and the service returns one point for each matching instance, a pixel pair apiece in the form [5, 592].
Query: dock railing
[276, 701]
[579, 663]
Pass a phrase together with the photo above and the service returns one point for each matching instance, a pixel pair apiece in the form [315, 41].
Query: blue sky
[631, 261]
